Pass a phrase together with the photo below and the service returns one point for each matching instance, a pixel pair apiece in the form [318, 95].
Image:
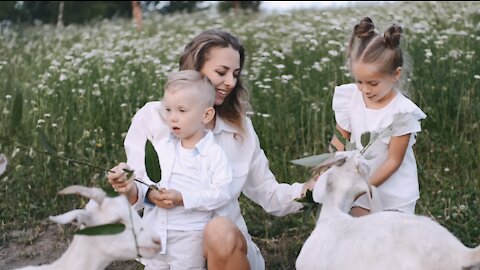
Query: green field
[82, 84]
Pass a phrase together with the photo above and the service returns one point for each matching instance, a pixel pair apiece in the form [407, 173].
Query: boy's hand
[165, 198]
[117, 177]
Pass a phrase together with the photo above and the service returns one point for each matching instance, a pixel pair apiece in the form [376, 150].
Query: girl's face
[222, 67]
[377, 87]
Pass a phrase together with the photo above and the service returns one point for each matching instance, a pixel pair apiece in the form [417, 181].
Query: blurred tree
[11, 11]
[224, 6]
[166, 7]
[73, 11]
[137, 14]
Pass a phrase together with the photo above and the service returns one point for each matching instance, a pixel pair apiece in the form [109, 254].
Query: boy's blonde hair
[193, 81]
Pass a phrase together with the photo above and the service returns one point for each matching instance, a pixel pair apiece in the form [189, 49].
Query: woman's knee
[223, 237]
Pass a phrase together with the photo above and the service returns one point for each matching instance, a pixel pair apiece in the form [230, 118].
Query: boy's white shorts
[185, 251]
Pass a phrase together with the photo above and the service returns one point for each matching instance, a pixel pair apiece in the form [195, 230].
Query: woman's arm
[261, 186]
[396, 152]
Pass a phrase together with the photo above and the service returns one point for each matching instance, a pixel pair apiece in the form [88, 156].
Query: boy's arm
[396, 153]
[219, 192]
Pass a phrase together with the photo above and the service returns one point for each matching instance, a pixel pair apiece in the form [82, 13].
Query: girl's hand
[165, 198]
[117, 178]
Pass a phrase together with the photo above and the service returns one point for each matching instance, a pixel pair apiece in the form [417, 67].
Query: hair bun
[364, 29]
[392, 36]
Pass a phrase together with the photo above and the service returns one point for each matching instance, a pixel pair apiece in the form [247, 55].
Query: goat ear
[78, 215]
[96, 194]
[320, 188]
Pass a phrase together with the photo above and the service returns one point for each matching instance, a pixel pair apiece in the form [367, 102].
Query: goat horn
[93, 193]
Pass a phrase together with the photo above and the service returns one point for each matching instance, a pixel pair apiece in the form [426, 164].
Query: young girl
[371, 104]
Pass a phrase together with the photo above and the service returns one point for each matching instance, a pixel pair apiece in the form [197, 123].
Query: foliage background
[82, 84]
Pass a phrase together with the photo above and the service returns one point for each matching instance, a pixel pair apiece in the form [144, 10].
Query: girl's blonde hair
[196, 53]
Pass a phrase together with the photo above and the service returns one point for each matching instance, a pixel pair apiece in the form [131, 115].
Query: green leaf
[17, 112]
[152, 165]
[105, 229]
[307, 199]
[111, 193]
[365, 138]
[43, 140]
[312, 161]
[339, 136]
[350, 146]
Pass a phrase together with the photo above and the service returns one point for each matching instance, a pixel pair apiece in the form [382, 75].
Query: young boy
[196, 176]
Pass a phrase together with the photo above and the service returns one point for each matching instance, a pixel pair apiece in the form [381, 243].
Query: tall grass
[82, 84]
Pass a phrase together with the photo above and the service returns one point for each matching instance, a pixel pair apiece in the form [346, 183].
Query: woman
[227, 244]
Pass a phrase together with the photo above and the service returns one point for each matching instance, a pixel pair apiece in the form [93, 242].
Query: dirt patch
[47, 241]
[42, 245]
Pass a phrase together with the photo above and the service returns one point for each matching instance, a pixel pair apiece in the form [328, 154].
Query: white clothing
[185, 252]
[251, 174]
[352, 115]
[203, 177]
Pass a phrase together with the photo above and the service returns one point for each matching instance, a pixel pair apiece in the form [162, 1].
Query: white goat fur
[385, 240]
[97, 252]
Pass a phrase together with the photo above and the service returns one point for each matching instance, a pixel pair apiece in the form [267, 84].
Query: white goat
[95, 252]
[385, 240]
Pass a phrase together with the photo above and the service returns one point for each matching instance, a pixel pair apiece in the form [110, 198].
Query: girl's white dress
[352, 115]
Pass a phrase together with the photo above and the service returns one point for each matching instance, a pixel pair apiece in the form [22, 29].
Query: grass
[82, 84]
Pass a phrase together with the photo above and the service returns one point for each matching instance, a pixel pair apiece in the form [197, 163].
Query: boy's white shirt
[211, 192]
[251, 174]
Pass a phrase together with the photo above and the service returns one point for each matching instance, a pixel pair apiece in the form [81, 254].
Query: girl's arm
[396, 152]
[336, 142]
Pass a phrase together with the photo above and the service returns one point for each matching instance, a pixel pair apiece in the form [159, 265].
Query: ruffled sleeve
[341, 105]
[406, 118]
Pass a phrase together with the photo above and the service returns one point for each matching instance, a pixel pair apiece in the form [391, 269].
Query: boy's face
[185, 114]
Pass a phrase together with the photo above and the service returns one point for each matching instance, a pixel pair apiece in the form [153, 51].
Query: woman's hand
[165, 198]
[309, 185]
[117, 178]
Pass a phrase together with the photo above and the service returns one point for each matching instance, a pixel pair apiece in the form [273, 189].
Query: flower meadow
[82, 84]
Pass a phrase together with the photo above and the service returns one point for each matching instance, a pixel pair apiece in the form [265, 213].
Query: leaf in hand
[365, 138]
[313, 160]
[105, 229]
[128, 173]
[152, 165]
[350, 146]
[340, 136]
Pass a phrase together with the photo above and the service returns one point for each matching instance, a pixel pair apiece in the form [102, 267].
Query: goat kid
[384, 240]
[97, 251]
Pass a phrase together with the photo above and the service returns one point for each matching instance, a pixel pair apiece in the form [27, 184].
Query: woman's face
[222, 67]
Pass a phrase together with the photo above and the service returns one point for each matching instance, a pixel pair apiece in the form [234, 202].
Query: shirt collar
[221, 125]
[202, 146]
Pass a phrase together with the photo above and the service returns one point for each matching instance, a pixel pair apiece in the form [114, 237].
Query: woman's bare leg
[359, 211]
[224, 246]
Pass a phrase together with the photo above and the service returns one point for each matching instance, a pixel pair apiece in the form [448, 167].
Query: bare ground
[47, 241]
[44, 244]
